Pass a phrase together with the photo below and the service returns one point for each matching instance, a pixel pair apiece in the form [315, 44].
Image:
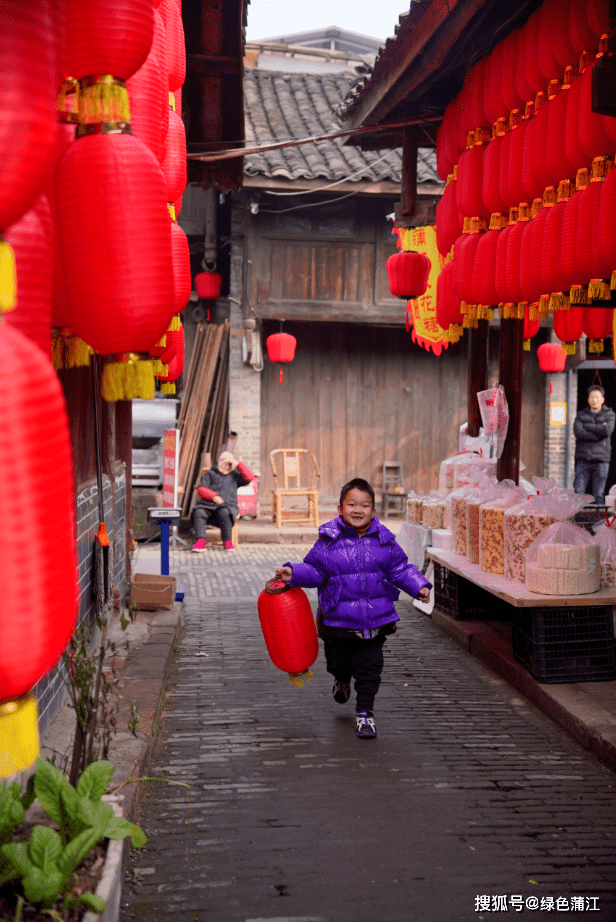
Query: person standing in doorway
[593, 428]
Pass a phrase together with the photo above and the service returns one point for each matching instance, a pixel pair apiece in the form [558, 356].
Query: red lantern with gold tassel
[551, 358]
[492, 163]
[581, 36]
[607, 225]
[597, 324]
[448, 219]
[594, 140]
[592, 269]
[537, 240]
[493, 105]
[550, 12]
[531, 328]
[38, 591]
[532, 188]
[513, 254]
[110, 192]
[553, 281]
[506, 173]
[452, 314]
[113, 37]
[288, 629]
[558, 166]
[504, 296]
[33, 248]
[175, 363]
[568, 326]
[174, 162]
[531, 44]
[573, 147]
[483, 288]
[541, 172]
[464, 264]
[598, 16]
[180, 256]
[515, 89]
[176, 49]
[408, 274]
[569, 265]
[148, 96]
[528, 252]
[515, 160]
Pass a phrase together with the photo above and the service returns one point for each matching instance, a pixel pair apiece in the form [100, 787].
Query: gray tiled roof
[281, 106]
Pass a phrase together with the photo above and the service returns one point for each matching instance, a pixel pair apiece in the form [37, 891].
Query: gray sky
[377, 18]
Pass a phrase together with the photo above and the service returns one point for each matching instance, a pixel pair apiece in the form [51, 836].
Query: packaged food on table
[487, 490]
[563, 560]
[442, 539]
[433, 511]
[461, 470]
[414, 508]
[492, 530]
[605, 536]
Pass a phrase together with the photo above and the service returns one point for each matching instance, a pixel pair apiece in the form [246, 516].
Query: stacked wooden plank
[205, 400]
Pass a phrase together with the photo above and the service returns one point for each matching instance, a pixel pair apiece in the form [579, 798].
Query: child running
[358, 568]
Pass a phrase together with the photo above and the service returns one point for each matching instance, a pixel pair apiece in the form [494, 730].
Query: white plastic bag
[494, 414]
[605, 536]
[563, 560]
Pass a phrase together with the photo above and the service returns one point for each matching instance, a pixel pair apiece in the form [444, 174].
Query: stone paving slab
[468, 792]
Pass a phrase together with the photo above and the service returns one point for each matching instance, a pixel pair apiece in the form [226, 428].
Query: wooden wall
[358, 395]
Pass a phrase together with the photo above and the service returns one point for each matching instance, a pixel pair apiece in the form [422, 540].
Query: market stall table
[558, 638]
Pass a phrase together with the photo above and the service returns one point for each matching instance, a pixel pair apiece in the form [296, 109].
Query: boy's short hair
[595, 387]
[357, 484]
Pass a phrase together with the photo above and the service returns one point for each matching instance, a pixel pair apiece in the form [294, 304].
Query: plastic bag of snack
[563, 560]
[523, 523]
[492, 529]
[414, 505]
[605, 536]
[433, 511]
[456, 517]
[486, 491]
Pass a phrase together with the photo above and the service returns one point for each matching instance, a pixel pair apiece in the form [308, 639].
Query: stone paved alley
[467, 793]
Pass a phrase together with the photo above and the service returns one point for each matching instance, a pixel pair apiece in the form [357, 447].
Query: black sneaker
[341, 692]
[366, 729]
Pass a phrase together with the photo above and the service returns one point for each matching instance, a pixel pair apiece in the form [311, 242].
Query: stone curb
[110, 885]
[577, 712]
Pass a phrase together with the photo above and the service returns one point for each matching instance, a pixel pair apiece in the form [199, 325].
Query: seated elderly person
[217, 503]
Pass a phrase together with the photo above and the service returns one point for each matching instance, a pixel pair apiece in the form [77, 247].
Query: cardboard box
[150, 591]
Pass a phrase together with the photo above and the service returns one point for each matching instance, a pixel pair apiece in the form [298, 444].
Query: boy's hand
[218, 499]
[284, 574]
[424, 594]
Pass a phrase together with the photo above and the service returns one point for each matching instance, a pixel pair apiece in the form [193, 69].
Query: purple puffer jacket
[358, 578]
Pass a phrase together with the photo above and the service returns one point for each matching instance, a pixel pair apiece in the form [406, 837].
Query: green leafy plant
[46, 863]
[13, 806]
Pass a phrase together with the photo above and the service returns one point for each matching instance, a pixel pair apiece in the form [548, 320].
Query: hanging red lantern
[507, 190]
[537, 240]
[38, 590]
[174, 162]
[594, 140]
[573, 147]
[568, 327]
[113, 37]
[477, 79]
[172, 342]
[148, 96]
[569, 266]
[281, 348]
[531, 328]
[607, 224]
[464, 261]
[515, 159]
[504, 296]
[180, 256]
[463, 119]
[29, 51]
[532, 188]
[513, 254]
[33, 248]
[553, 281]
[159, 50]
[551, 358]
[483, 288]
[528, 253]
[493, 105]
[60, 314]
[447, 151]
[448, 219]
[175, 362]
[176, 48]
[470, 176]
[408, 274]
[598, 16]
[453, 314]
[208, 285]
[597, 324]
[541, 173]
[550, 12]
[562, 49]
[529, 47]
[493, 160]
[442, 294]
[581, 36]
[289, 629]
[591, 268]
[515, 89]
[110, 192]
[557, 164]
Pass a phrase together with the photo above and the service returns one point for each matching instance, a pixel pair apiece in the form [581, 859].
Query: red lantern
[569, 266]
[503, 294]
[180, 256]
[288, 628]
[541, 174]
[60, 316]
[29, 51]
[549, 13]
[507, 190]
[588, 254]
[597, 16]
[38, 590]
[568, 327]
[465, 251]
[513, 254]
[514, 88]
[573, 147]
[208, 285]
[281, 348]
[159, 50]
[147, 92]
[174, 162]
[492, 92]
[581, 36]
[446, 149]
[483, 288]
[453, 314]
[529, 47]
[110, 192]
[113, 37]
[33, 248]
[176, 49]
[175, 362]
[597, 324]
[594, 140]
[448, 219]
[470, 177]
[515, 158]
[551, 358]
[537, 239]
[553, 281]
[408, 274]
[531, 328]
[492, 161]
[529, 248]
[607, 221]
[558, 166]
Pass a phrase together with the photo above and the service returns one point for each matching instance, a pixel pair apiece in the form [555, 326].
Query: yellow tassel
[568, 349]
[490, 314]
[579, 294]
[510, 311]
[613, 282]
[599, 290]
[544, 306]
[8, 277]
[171, 209]
[146, 382]
[176, 324]
[559, 301]
[113, 381]
[131, 381]
[463, 308]
[533, 311]
[172, 101]
[168, 387]
[19, 739]
[595, 345]
[520, 310]
[103, 99]
[162, 342]
[78, 353]
[68, 100]
[299, 679]
[160, 370]
[57, 350]
[526, 345]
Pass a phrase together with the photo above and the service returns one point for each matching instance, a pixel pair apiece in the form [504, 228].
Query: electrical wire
[338, 181]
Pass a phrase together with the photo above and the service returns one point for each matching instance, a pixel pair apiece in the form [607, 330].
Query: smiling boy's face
[356, 509]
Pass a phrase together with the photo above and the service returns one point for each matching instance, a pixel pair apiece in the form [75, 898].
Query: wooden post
[408, 193]
[477, 373]
[511, 366]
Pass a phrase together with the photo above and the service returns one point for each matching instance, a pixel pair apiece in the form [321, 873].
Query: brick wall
[51, 690]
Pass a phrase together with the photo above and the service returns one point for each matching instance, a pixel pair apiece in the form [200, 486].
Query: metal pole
[164, 547]
[568, 432]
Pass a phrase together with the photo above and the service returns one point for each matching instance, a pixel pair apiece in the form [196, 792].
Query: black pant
[362, 660]
[220, 517]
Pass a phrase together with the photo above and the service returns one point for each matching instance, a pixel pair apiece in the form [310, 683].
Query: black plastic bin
[460, 599]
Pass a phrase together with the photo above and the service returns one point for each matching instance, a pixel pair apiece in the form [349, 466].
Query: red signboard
[171, 450]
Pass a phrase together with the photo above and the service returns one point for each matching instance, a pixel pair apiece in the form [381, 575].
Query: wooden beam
[477, 373]
[213, 65]
[408, 192]
[510, 372]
